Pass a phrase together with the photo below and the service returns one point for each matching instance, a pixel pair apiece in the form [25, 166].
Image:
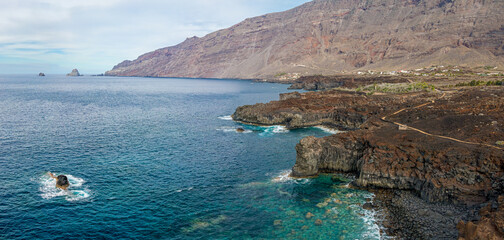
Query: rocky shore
[320, 82]
[334, 108]
[406, 216]
[439, 151]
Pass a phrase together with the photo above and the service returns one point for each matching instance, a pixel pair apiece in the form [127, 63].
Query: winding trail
[430, 134]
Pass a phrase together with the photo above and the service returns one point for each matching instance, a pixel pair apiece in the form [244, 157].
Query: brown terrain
[444, 146]
[432, 150]
[329, 36]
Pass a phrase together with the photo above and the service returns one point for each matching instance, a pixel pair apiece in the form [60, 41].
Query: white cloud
[94, 35]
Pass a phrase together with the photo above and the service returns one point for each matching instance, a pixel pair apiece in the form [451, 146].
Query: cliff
[490, 226]
[326, 36]
[444, 146]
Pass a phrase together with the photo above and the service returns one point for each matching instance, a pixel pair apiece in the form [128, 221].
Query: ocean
[159, 158]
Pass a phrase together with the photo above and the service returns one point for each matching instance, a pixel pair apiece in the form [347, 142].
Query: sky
[55, 36]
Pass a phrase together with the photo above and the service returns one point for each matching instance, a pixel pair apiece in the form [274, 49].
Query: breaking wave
[329, 130]
[227, 118]
[232, 129]
[284, 176]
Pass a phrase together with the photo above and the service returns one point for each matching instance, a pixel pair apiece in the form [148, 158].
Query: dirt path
[429, 134]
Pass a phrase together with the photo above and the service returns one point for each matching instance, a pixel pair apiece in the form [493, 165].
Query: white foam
[280, 129]
[185, 189]
[76, 195]
[75, 192]
[370, 220]
[373, 228]
[227, 118]
[284, 176]
[329, 130]
[232, 129]
[273, 130]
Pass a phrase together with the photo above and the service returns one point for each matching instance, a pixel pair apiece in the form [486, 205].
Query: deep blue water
[152, 158]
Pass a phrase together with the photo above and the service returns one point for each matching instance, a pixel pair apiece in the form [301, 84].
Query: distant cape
[328, 36]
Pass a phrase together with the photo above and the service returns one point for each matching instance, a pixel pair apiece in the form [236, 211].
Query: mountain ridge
[329, 36]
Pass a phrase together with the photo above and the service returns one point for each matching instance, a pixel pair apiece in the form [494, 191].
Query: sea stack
[41, 75]
[74, 73]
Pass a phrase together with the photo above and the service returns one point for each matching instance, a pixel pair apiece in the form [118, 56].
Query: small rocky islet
[74, 73]
[436, 150]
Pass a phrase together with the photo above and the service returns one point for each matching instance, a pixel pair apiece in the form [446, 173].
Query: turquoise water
[155, 158]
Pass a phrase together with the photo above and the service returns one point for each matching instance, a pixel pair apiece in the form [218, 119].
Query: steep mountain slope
[326, 36]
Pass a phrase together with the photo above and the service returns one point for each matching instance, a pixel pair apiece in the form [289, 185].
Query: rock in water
[74, 73]
[62, 181]
[41, 75]
[240, 130]
[367, 206]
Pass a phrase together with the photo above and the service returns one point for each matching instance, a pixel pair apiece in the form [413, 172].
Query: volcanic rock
[367, 206]
[74, 73]
[319, 82]
[490, 226]
[438, 169]
[62, 181]
[340, 109]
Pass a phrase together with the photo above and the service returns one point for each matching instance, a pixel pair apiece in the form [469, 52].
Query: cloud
[94, 35]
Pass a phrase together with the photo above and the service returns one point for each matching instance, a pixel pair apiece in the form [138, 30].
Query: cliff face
[334, 108]
[437, 168]
[490, 226]
[324, 36]
[387, 156]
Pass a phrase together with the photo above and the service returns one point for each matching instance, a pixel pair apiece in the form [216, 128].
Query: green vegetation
[397, 88]
[500, 143]
[475, 83]
[489, 67]
[280, 74]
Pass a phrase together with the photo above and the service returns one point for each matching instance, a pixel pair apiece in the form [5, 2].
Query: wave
[232, 129]
[329, 130]
[266, 131]
[185, 189]
[75, 192]
[284, 176]
[370, 221]
[227, 118]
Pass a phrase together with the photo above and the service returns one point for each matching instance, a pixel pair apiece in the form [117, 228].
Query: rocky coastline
[438, 149]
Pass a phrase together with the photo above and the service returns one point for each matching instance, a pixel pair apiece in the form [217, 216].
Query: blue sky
[55, 36]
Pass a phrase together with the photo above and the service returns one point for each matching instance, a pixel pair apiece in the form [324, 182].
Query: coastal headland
[416, 85]
[435, 142]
